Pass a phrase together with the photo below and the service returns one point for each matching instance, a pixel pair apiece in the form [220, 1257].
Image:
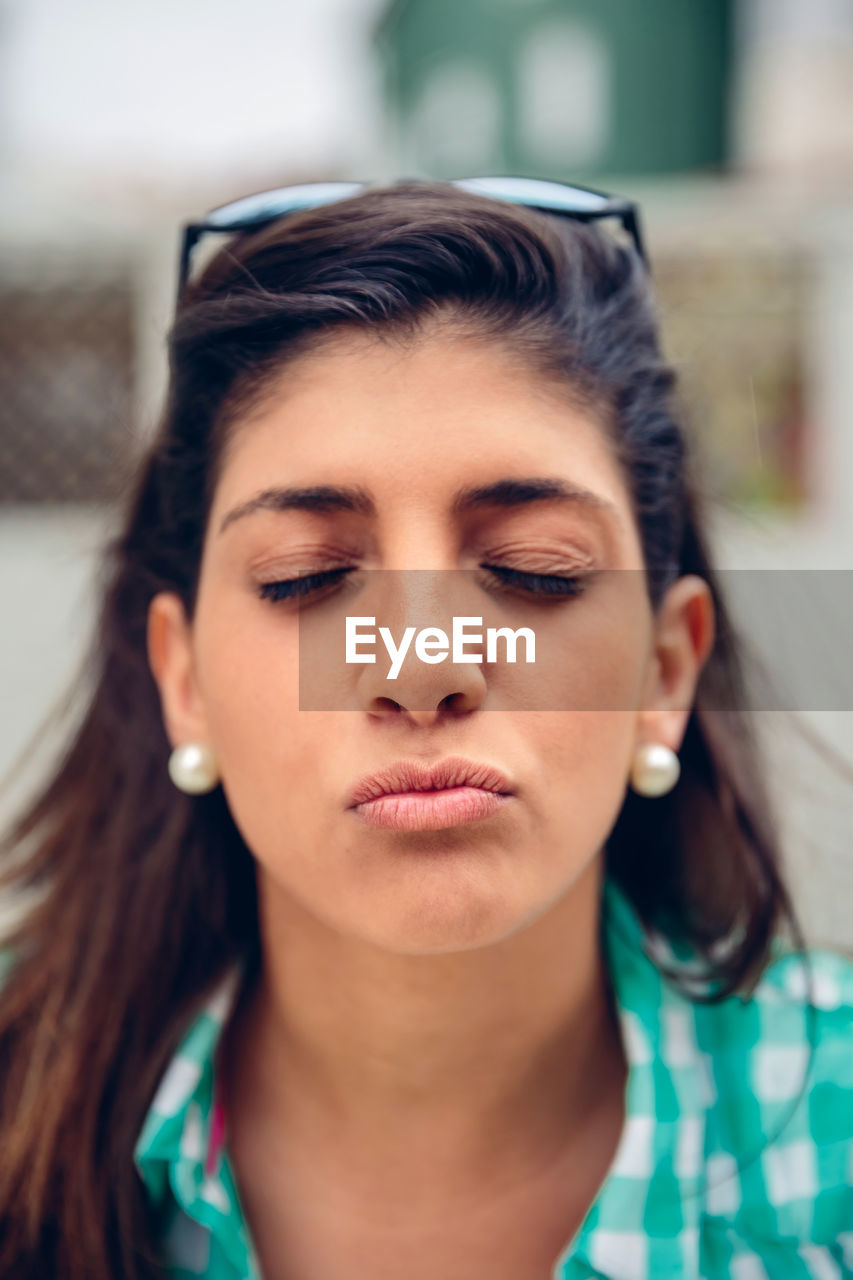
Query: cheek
[598, 660]
[272, 758]
[249, 680]
[594, 656]
[586, 758]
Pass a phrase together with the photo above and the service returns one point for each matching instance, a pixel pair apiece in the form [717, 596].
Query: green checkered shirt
[695, 1191]
[689, 1192]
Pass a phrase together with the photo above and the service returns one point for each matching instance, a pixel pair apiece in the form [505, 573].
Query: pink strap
[217, 1133]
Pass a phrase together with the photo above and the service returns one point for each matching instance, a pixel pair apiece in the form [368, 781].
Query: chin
[442, 921]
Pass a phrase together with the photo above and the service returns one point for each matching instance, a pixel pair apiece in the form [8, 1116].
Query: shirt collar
[657, 1171]
[178, 1125]
[659, 1158]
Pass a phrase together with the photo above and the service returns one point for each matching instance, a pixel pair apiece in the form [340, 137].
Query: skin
[429, 1070]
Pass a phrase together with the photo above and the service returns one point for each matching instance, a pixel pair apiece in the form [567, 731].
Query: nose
[425, 703]
[428, 685]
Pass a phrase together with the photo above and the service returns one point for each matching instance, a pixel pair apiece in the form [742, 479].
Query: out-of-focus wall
[48, 576]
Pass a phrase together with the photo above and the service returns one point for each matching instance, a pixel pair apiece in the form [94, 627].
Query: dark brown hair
[111, 958]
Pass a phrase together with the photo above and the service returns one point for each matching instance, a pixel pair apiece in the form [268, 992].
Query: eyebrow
[511, 492]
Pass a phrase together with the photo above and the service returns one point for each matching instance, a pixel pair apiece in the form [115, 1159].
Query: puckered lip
[417, 775]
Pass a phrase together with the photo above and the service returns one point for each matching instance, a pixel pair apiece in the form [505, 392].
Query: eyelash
[548, 585]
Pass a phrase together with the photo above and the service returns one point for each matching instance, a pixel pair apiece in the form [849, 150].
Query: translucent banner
[502, 639]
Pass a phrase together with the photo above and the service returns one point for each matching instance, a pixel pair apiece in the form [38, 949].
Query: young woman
[476, 972]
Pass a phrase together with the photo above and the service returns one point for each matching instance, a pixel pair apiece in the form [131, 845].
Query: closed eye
[304, 586]
[536, 585]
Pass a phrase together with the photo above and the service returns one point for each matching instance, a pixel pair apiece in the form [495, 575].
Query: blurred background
[730, 121]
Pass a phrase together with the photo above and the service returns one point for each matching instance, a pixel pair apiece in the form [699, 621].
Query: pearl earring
[655, 769]
[192, 768]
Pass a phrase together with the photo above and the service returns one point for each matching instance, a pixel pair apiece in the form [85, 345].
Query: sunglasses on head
[254, 212]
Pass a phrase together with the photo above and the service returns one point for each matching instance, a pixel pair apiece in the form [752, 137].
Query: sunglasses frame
[543, 195]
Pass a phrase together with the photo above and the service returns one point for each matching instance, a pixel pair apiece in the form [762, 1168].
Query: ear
[683, 638]
[170, 656]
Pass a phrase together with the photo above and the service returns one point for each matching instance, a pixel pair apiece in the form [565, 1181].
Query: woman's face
[410, 429]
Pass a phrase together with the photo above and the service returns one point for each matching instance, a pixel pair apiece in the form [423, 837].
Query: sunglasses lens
[272, 204]
[549, 195]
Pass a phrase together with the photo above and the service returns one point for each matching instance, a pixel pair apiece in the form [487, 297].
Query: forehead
[354, 380]
[411, 420]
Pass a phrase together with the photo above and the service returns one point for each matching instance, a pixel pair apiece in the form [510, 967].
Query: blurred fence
[67, 374]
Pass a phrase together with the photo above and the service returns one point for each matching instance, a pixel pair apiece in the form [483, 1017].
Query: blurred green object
[566, 89]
